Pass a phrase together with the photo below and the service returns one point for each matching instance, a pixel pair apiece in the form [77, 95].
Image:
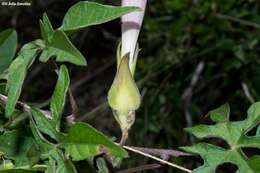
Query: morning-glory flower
[124, 97]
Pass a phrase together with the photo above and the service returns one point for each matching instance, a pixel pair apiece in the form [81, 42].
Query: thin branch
[247, 92]
[23, 107]
[237, 20]
[74, 108]
[157, 159]
[165, 154]
[188, 92]
[141, 168]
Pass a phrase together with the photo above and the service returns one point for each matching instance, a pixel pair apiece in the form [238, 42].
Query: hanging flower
[124, 97]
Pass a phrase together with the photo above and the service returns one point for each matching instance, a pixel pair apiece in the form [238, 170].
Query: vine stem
[157, 159]
[26, 108]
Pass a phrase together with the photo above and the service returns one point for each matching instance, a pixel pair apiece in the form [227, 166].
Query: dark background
[177, 35]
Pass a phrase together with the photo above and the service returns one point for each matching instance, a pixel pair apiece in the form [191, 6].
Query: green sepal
[124, 97]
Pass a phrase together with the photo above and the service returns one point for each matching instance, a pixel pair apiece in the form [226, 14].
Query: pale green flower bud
[124, 97]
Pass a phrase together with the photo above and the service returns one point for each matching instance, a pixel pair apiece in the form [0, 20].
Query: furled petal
[131, 25]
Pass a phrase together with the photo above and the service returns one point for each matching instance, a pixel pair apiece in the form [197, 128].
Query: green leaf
[234, 133]
[220, 114]
[58, 45]
[84, 141]
[51, 166]
[253, 114]
[254, 163]
[44, 146]
[59, 96]
[16, 75]
[258, 131]
[9, 142]
[46, 28]
[34, 154]
[17, 171]
[58, 163]
[63, 165]
[44, 125]
[24, 144]
[8, 44]
[15, 145]
[214, 156]
[101, 165]
[86, 13]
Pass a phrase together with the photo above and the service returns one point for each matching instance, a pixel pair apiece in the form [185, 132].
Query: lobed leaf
[214, 156]
[235, 134]
[220, 114]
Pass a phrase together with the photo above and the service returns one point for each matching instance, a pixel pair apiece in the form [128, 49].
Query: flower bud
[124, 97]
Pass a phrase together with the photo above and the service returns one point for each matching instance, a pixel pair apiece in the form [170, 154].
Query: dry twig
[165, 154]
[157, 159]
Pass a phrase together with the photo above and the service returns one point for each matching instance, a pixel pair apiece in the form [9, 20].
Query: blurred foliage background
[196, 55]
